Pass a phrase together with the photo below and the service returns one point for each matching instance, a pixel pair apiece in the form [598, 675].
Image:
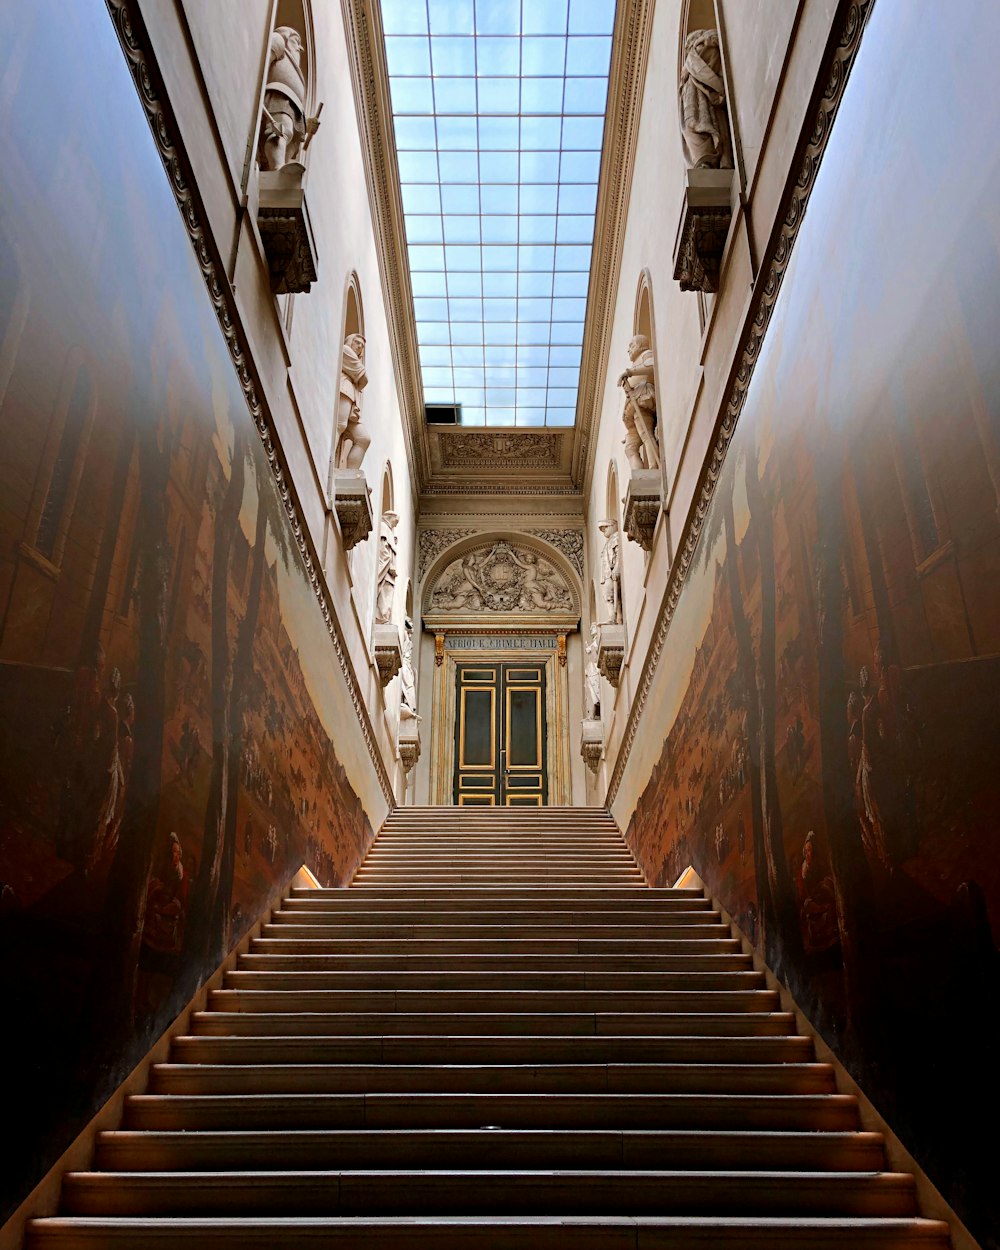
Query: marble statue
[388, 549]
[408, 681]
[611, 581]
[501, 578]
[639, 414]
[592, 677]
[353, 439]
[286, 129]
[704, 124]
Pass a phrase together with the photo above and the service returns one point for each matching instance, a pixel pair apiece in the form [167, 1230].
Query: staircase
[497, 1038]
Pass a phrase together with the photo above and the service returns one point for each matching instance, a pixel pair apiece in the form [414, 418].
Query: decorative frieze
[642, 506]
[568, 542]
[489, 449]
[611, 651]
[703, 229]
[353, 507]
[430, 544]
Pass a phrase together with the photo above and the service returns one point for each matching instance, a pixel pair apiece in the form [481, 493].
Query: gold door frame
[443, 712]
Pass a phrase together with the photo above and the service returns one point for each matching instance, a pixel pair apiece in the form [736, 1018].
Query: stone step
[331, 943]
[371, 900]
[467, 1192]
[460, 1002]
[492, 1232]
[125, 1150]
[390, 1049]
[519, 1024]
[528, 1078]
[797, 1112]
[499, 961]
[566, 914]
[459, 977]
[356, 927]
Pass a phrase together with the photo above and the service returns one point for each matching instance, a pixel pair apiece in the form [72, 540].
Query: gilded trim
[134, 39]
[853, 18]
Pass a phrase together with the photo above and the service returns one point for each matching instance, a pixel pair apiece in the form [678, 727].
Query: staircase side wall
[820, 737]
[177, 728]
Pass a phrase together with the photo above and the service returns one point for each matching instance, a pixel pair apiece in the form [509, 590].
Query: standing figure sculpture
[353, 439]
[704, 124]
[388, 547]
[610, 570]
[285, 132]
[408, 681]
[639, 414]
[592, 677]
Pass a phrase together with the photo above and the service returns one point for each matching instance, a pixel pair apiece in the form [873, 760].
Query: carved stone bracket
[388, 652]
[592, 744]
[703, 229]
[285, 229]
[610, 651]
[353, 506]
[642, 506]
[409, 749]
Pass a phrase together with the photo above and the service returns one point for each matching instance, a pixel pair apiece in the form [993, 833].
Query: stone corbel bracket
[409, 749]
[643, 501]
[610, 651]
[703, 229]
[285, 229]
[353, 506]
[592, 744]
[388, 652]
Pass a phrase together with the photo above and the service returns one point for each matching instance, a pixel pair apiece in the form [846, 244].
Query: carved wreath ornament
[501, 578]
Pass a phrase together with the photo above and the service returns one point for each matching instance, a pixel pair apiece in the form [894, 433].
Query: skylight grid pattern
[498, 108]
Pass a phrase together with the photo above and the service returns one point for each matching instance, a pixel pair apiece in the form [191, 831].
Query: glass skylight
[498, 108]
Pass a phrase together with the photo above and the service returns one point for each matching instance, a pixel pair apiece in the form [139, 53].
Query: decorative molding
[352, 504]
[626, 83]
[492, 449]
[134, 39]
[430, 544]
[855, 15]
[568, 541]
[370, 81]
[704, 227]
[286, 231]
[499, 487]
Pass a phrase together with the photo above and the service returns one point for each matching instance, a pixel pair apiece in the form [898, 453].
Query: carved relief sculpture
[430, 544]
[353, 439]
[501, 578]
[610, 570]
[569, 542]
[703, 118]
[592, 677]
[639, 413]
[388, 549]
[408, 681]
[286, 130]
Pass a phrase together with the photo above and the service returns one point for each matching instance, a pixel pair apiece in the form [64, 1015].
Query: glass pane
[408, 54]
[452, 55]
[524, 744]
[478, 737]
[498, 57]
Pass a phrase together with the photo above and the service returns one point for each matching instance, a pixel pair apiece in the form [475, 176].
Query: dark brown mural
[831, 679]
[168, 690]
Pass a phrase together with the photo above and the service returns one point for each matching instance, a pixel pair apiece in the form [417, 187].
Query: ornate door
[500, 735]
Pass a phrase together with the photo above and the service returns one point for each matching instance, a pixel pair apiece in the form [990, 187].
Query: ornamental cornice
[846, 41]
[626, 83]
[135, 43]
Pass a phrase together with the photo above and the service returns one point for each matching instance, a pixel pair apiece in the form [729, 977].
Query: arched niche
[695, 15]
[354, 311]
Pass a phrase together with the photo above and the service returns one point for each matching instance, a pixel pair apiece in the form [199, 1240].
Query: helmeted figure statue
[639, 414]
[592, 677]
[286, 128]
[388, 546]
[610, 570]
[704, 124]
[353, 439]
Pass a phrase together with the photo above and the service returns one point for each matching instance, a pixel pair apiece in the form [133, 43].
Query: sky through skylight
[498, 108]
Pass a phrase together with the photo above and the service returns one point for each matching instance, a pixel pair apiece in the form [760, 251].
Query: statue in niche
[592, 677]
[388, 549]
[286, 130]
[353, 439]
[503, 578]
[611, 582]
[408, 681]
[640, 406]
[704, 124]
